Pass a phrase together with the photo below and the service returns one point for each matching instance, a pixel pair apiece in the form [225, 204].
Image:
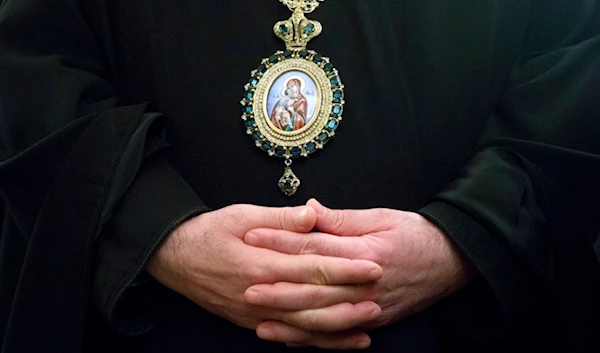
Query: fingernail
[252, 296]
[265, 334]
[376, 272]
[250, 238]
[375, 312]
[363, 344]
[303, 216]
[371, 309]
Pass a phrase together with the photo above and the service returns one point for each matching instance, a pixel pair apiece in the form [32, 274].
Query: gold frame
[324, 105]
[270, 138]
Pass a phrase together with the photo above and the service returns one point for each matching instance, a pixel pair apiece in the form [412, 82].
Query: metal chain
[307, 6]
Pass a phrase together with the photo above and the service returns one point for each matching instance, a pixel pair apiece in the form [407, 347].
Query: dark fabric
[483, 115]
[67, 270]
[121, 256]
[68, 156]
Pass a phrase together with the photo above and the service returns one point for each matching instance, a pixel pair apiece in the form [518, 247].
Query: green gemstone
[317, 58]
[280, 151]
[309, 29]
[332, 125]
[283, 29]
[296, 152]
[266, 146]
[311, 147]
[303, 54]
[337, 110]
[287, 185]
[273, 59]
[323, 137]
[288, 54]
[335, 81]
[261, 69]
[250, 123]
[256, 135]
[328, 68]
[338, 95]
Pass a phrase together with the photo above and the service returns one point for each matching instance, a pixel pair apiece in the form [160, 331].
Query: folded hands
[309, 275]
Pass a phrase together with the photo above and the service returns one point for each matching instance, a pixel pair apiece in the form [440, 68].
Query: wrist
[165, 263]
[454, 269]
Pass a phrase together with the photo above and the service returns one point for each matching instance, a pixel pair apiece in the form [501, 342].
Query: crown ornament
[298, 31]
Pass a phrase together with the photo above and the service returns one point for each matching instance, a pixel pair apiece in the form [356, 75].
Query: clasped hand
[262, 268]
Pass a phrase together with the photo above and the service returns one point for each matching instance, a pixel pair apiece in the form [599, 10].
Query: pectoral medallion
[294, 100]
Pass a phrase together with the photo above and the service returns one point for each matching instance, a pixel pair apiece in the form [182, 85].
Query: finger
[317, 269]
[311, 243]
[344, 222]
[299, 219]
[295, 296]
[295, 337]
[339, 317]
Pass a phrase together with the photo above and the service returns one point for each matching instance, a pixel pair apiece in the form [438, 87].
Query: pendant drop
[289, 182]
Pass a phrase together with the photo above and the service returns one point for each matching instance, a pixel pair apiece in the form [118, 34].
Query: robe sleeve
[87, 193]
[524, 209]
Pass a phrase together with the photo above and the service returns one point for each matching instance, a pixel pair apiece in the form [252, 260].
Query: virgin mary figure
[289, 113]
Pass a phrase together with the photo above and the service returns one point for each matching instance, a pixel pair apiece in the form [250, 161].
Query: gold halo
[285, 83]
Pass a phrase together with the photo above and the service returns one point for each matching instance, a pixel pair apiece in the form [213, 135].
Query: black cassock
[121, 119]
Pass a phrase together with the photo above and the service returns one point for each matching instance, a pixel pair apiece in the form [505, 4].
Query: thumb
[342, 222]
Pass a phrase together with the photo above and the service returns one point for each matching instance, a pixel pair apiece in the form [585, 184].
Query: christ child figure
[283, 113]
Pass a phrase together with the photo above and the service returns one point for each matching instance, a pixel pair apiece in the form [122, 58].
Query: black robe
[121, 119]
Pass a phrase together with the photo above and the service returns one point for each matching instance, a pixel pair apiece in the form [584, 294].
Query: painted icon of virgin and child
[289, 113]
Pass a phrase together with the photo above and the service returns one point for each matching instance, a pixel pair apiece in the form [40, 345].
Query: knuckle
[311, 323]
[233, 214]
[306, 247]
[259, 274]
[316, 297]
[373, 255]
[380, 214]
[284, 219]
[373, 251]
[321, 274]
[242, 310]
[338, 220]
[369, 292]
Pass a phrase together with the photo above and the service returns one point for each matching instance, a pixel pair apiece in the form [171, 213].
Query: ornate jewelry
[294, 100]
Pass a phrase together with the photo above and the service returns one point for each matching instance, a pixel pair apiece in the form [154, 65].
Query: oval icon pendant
[294, 101]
